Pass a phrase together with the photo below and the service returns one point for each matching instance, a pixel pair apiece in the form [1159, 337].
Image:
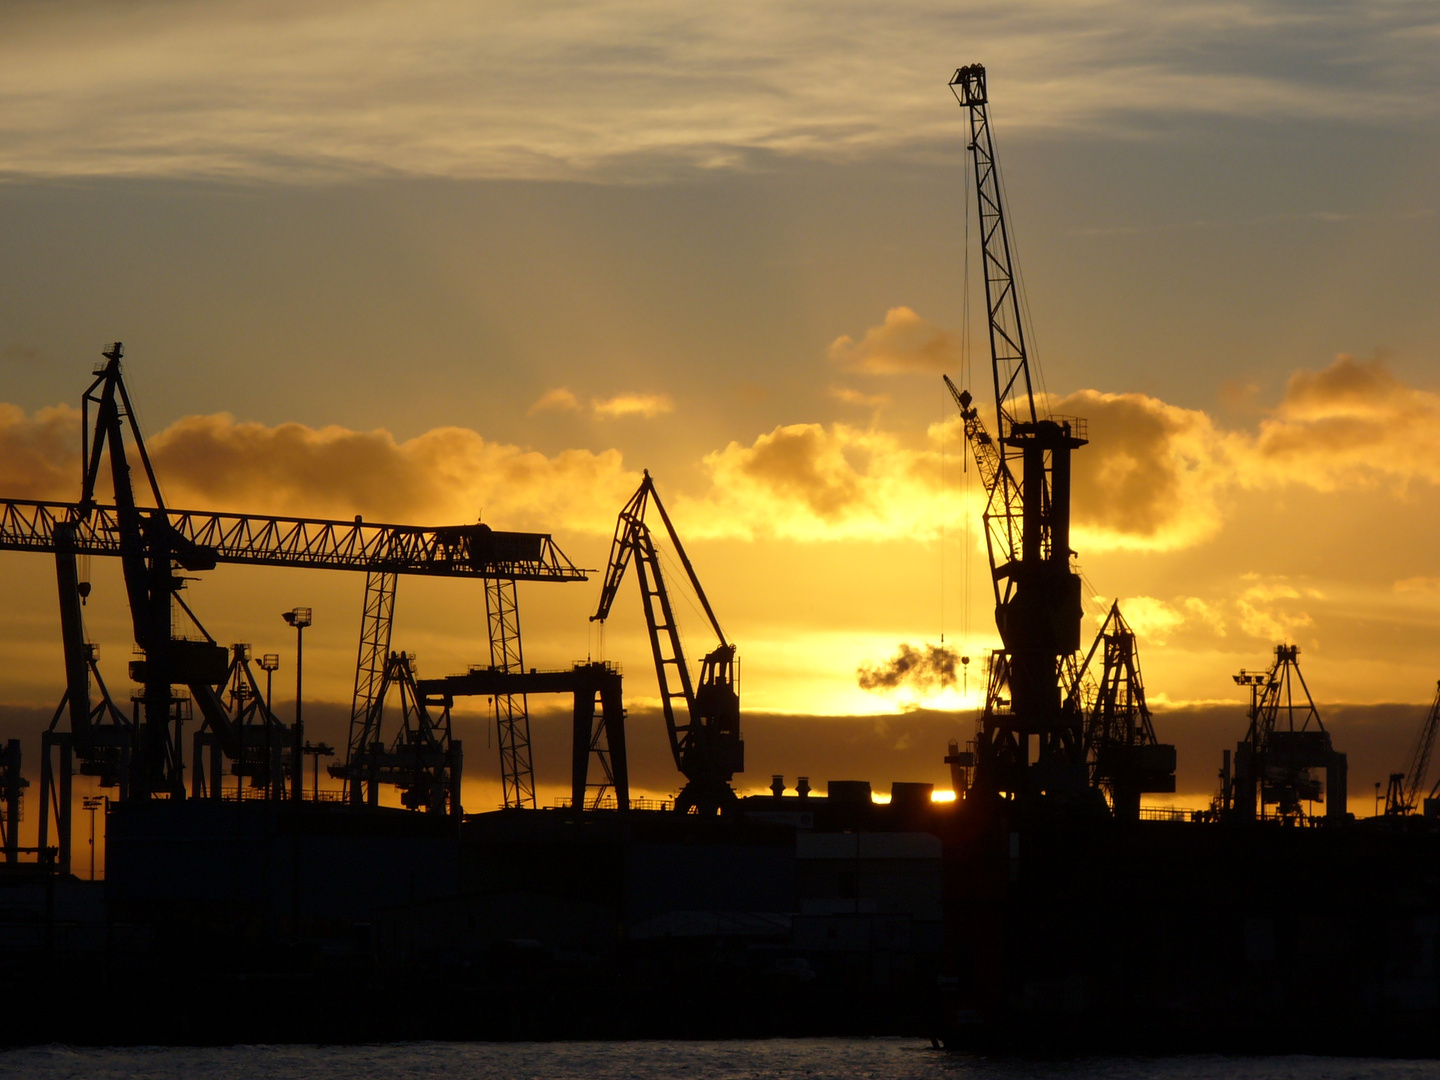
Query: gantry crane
[1285, 740]
[1026, 470]
[705, 741]
[1403, 795]
[141, 753]
[1125, 757]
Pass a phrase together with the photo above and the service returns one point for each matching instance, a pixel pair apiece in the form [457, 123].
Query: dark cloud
[1376, 739]
[926, 668]
[881, 749]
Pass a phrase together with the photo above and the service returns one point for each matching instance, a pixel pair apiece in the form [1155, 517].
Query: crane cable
[965, 361]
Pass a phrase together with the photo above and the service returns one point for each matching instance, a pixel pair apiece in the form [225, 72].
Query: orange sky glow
[403, 262]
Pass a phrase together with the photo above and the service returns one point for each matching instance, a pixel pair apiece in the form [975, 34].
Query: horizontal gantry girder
[475, 551]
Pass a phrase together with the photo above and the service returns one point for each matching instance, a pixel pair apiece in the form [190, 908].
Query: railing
[564, 802]
[1079, 426]
[259, 794]
[1167, 813]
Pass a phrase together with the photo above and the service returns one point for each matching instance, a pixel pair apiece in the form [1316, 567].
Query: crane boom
[1014, 395]
[1004, 509]
[1413, 778]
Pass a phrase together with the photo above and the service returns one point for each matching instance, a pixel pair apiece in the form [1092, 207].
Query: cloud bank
[635, 89]
[1155, 477]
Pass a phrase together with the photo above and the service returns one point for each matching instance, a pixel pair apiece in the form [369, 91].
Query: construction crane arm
[632, 517]
[203, 539]
[1420, 756]
[689, 569]
[1014, 396]
[704, 739]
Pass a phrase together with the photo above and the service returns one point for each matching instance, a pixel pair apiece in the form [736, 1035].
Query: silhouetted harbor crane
[705, 741]
[140, 753]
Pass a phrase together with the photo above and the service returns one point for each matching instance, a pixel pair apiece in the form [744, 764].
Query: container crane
[703, 721]
[1403, 795]
[1285, 740]
[1026, 470]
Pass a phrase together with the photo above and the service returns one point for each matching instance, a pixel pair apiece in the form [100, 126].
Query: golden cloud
[819, 482]
[1151, 477]
[903, 342]
[558, 400]
[1269, 609]
[1349, 425]
[851, 396]
[444, 475]
[1152, 620]
[1154, 476]
[40, 454]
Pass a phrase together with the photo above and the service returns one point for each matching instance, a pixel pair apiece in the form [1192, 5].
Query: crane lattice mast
[1026, 467]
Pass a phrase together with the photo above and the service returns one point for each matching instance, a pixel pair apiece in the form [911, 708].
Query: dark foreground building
[318, 922]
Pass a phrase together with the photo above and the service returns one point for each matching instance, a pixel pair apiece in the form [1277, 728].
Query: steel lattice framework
[474, 551]
[512, 711]
[1026, 470]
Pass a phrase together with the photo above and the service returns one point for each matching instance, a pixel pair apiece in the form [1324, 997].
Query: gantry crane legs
[141, 753]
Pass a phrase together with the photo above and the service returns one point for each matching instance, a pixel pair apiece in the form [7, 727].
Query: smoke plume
[921, 669]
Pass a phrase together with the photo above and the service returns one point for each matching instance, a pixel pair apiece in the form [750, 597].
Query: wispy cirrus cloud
[632, 89]
[644, 406]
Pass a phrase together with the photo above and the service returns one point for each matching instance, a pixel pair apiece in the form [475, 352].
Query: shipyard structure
[249, 894]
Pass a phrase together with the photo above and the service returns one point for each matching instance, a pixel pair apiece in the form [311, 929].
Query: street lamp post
[299, 618]
[270, 663]
[93, 803]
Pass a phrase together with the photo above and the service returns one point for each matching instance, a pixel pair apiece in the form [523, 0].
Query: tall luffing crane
[705, 741]
[1026, 471]
[1403, 795]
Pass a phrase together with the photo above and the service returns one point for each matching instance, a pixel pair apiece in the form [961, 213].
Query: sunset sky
[427, 261]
